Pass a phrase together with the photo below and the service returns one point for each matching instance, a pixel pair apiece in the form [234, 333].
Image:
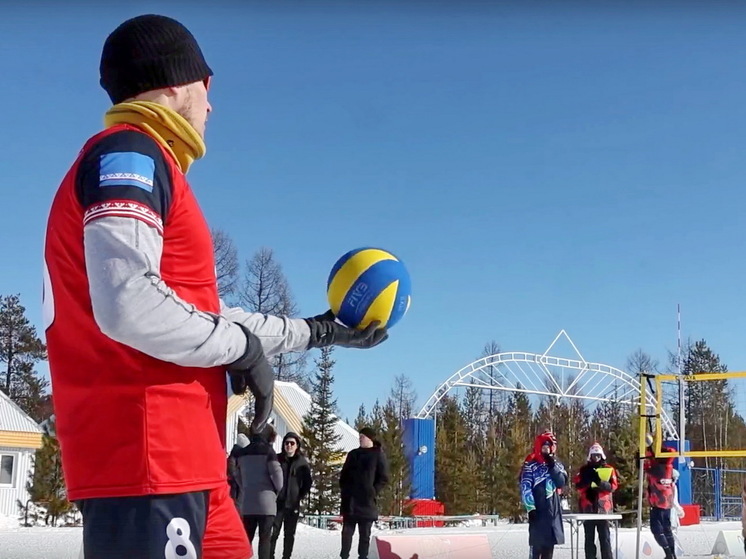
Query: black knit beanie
[370, 433]
[291, 435]
[150, 52]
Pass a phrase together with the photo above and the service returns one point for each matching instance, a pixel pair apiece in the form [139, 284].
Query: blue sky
[537, 166]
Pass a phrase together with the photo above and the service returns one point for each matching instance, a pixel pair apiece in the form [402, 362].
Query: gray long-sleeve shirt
[133, 305]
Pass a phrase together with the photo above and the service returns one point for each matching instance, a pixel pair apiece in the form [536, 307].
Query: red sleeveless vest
[129, 424]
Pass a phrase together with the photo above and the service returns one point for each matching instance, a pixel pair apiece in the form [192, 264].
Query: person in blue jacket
[542, 480]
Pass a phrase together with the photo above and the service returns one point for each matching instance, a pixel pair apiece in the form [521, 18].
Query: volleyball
[367, 285]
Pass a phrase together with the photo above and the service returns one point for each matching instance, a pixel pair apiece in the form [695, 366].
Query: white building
[20, 436]
[290, 405]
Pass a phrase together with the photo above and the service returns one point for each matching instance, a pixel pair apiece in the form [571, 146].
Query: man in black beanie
[364, 475]
[139, 342]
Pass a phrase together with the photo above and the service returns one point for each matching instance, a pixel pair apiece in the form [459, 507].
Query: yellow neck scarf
[170, 129]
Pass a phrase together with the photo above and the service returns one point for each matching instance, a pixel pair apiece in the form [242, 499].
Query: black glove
[532, 516]
[549, 459]
[326, 331]
[254, 372]
[604, 486]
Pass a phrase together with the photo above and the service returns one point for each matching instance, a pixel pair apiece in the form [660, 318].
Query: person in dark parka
[242, 441]
[261, 481]
[364, 474]
[297, 481]
[542, 480]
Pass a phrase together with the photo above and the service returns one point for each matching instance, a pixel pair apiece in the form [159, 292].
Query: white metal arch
[546, 375]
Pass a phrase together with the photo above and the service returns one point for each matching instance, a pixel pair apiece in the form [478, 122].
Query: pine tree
[713, 422]
[404, 396]
[621, 453]
[46, 486]
[705, 430]
[20, 350]
[391, 437]
[494, 464]
[454, 482]
[519, 440]
[473, 409]
[375, 418]
[322, 440]
[30, 392]
[573, 439]
[362, 418]
[494, 399]
[545, 417]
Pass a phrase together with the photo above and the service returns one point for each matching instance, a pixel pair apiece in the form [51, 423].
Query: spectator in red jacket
[596, 481]
[659, 472]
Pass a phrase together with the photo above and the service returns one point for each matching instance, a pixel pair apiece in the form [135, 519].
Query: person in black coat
[364, 474]
[242, 441]
[297, 481]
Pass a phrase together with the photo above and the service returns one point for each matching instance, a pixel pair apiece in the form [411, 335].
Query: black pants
[660, 526]
[604, 539]
[143, 527]
[253, 521]
[542, 552]
[290, 519]
[363, 544]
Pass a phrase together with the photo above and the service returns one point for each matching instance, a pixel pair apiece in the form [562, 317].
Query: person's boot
[669, 553]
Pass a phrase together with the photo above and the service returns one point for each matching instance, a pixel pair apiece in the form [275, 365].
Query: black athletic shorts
[149, 527]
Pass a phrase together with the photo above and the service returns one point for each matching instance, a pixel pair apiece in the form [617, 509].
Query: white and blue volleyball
[367, 285]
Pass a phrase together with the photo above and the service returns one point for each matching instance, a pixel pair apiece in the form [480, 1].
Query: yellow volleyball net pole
[715, 423]
[725, 447]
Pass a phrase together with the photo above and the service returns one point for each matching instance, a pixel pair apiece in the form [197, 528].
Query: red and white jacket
[659, 472]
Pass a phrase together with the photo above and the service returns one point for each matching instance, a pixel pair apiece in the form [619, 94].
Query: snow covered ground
[506, 541]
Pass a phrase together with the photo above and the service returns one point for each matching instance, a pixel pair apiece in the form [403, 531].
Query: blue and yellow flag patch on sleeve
[127, 169]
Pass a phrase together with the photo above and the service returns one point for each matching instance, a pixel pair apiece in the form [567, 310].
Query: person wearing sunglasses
[138, 339]
[297, 481]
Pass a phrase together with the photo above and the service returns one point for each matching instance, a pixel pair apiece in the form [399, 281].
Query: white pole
[640, 475]
[682, 408]
[640, 481]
